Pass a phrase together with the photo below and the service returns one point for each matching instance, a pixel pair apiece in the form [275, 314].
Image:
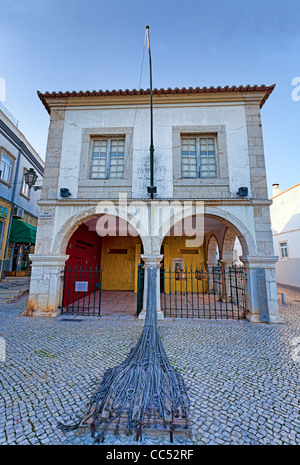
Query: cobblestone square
[243, 378]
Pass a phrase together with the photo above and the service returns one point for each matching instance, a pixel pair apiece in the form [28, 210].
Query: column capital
[258, 262]
[152, 260]
[210, 263]
[226, 263]
[49, 259]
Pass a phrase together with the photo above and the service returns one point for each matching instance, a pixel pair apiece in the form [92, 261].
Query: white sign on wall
[46, 215]
[81, 286]
[177, 262]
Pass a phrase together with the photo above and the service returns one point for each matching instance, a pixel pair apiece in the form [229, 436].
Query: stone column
[263, 264]
[254, 304]
[261, 202]
[226, 264]
[152, 261]
[46, 285]
[210, 264]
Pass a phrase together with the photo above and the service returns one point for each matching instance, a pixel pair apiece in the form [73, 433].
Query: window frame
[4, 152]
[204, 188]
[286, 248]
[104, 188]
[22, 185]
[108, 156]
[198, 138]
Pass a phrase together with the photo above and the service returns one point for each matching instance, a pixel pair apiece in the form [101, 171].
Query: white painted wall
[232, 116]
[237, 253]
[285, 220]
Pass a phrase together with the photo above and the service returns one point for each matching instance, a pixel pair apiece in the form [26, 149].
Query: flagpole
[151, 189]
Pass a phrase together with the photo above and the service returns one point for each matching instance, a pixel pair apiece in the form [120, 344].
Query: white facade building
[208, 144]
[285, 220]
[19, 208]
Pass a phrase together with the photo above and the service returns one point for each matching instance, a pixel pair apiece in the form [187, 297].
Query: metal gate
[204, 293]
[211, 293]
[82, 291]
[140, 289]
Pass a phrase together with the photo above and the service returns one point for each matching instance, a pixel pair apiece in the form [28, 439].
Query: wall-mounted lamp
[242, 191]
[64, 192]
[30, 179]
[151, 190]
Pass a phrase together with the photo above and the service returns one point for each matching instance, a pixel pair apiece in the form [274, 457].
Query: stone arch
[228, 246]
[62, 237]
[211, 251]
[233, 223]
[236, 226]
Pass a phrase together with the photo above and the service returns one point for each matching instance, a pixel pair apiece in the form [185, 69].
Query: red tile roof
[176, 90]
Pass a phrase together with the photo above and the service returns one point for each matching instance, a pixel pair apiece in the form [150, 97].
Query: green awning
[22, 232]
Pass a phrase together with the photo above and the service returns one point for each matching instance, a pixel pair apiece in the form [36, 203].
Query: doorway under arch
[196, 282]
[100, 277]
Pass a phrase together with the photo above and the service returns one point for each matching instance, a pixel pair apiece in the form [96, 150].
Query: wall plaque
[262, 295]
[81, 286]
[46, 215]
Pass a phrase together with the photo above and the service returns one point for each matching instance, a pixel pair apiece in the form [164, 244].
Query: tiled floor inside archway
[113, 303]
[185, 305]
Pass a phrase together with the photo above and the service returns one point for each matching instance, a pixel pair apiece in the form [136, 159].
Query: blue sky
[63, 45]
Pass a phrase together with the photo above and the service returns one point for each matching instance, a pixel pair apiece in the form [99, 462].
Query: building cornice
[207, 202]
[160, 96]
[20, 145]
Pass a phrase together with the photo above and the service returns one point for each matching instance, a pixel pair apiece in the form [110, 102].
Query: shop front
[5, 209]
[21, 244]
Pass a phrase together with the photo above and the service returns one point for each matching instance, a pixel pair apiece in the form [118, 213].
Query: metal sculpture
[144, 392]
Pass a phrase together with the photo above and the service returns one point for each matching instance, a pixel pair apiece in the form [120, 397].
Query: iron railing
[214, 292]
[82, 290]
[140, 289]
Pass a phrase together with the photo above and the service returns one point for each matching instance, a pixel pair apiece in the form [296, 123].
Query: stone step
[12, 288]
[5, 286]
[9, 296]
[9, 300]
[14, 285]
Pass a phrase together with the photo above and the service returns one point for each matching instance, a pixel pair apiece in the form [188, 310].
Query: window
[284, 250]
[25, 188]
[108, 158]
[6, 167]
[198, 157]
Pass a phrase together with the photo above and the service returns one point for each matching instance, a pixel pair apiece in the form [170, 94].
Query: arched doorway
[100, 275]
[202, 281]
[213, 251]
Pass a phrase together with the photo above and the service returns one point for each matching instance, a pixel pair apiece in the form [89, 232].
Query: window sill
[201, 182]
[7, 184]
[25, 196]
[104, 183]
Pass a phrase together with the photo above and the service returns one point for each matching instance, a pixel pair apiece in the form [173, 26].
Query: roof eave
[197, 90]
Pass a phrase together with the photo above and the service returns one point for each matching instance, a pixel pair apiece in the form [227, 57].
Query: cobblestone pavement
[243, 378]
